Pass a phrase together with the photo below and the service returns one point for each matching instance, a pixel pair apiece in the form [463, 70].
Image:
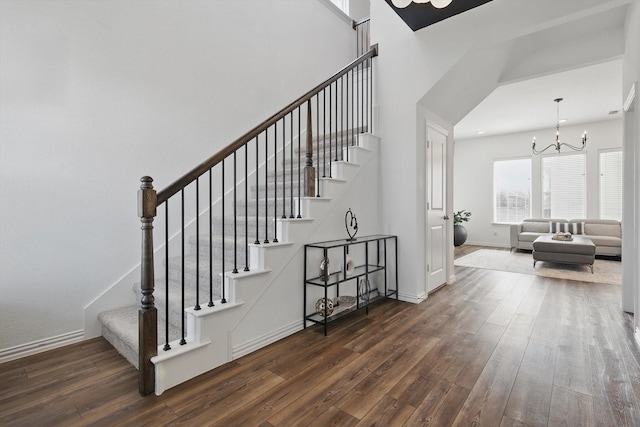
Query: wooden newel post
[309, 170]
[147, 315]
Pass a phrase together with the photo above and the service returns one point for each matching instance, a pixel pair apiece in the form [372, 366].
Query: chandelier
[559, 144]
[436, 3]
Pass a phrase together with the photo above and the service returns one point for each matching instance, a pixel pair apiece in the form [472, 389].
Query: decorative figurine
[351, 223]
[324, 269]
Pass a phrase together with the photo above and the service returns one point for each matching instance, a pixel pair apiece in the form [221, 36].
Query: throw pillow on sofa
[566, 227]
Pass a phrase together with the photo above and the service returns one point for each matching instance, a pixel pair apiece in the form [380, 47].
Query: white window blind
[511, 190]
[611, 185]
[564, 186]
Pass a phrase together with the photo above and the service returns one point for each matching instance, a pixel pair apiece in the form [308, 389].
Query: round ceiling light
[440, 3]
[401, 3]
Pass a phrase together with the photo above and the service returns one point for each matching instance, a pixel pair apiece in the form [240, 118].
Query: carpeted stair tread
[120, 328]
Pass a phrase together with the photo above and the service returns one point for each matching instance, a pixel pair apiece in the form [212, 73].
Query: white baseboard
[40, 346]
[414, 299]
[264, 340]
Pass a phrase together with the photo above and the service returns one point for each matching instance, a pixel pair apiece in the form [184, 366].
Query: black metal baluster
[166, 277]
[362, 78]
[257, 242]
[197, 306]
[353, 110]
[318, 145]
[235, 217]
[291, 168]
[182, 340]
[246, 207]
[361, 67]
[266, 186]
[275, 183]
[370, 95]
[342, 118]
[348, 129]
[222, 276]
[299, 167]
[330, 126]
[356, 117]
[210, 304]
[336, 113]
[284, 167]
[366, 106]
[324, 133]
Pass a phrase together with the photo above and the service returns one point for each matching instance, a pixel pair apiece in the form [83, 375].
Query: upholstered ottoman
[580, 250]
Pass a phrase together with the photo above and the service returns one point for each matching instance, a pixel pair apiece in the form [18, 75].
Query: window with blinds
[564, 186]
[611, 184]
[511, 190]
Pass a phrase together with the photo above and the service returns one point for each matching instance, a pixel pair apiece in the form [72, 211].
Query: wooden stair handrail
[203, 167]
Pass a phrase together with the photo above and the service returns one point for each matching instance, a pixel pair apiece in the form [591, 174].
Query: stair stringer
[221, 334]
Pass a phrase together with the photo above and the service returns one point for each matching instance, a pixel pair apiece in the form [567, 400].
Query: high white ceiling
[589, 93]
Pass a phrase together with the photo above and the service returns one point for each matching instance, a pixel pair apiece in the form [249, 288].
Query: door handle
[446, 217]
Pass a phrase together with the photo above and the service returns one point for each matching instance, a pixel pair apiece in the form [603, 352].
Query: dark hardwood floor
[492, 349]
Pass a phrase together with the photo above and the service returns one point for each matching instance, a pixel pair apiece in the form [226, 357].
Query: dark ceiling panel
[420, 15]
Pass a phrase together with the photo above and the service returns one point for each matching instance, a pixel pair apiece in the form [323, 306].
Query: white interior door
[437, 235]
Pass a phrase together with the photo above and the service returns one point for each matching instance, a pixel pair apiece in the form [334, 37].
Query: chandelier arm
[544, 149]
[572, 146]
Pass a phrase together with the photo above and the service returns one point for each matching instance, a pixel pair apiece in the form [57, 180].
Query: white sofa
[606, 234]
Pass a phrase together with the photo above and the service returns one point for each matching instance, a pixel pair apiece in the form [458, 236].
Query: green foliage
[460, 217]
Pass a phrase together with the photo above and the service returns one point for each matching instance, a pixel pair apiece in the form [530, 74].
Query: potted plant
[459, 232]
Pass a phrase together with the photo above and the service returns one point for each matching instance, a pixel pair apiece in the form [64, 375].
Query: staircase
[214, 335]
[228, 275]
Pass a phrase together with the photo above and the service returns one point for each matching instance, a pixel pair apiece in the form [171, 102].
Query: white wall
[358, 9]
[473, 173]
[94, 95]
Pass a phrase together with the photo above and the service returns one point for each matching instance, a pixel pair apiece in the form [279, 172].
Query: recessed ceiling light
[480, 132]
[563, 120]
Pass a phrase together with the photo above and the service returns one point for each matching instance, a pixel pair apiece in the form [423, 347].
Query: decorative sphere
[321, 304]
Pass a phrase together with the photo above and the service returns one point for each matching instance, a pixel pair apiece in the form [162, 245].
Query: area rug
[604, 271]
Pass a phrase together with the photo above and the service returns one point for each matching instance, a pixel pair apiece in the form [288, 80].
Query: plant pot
[459, 235]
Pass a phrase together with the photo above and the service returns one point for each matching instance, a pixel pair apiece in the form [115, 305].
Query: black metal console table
[365, 264]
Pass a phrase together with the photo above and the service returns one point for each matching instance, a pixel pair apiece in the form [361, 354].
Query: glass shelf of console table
[339, 277]
[342, 242]
[339, 311]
